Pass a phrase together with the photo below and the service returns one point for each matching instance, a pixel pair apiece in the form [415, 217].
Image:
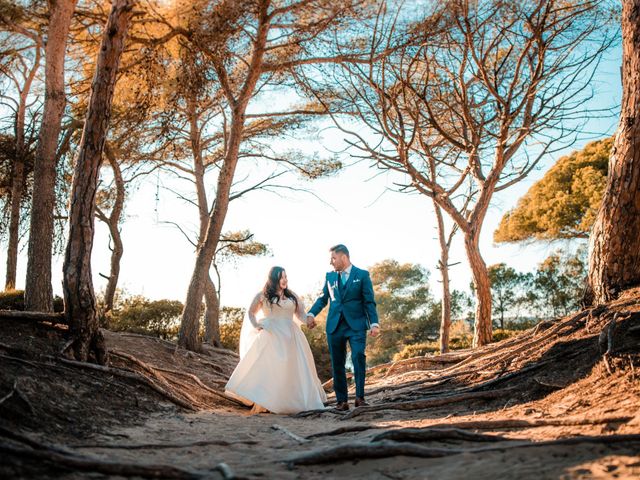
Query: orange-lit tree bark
[188, 336]
[38, 289]
[236, 39]
[614, 244]
[79, 296]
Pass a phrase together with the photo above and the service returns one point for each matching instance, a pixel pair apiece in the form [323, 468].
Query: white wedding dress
[276, 369]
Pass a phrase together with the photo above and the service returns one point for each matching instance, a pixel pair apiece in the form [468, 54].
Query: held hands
[375, 331]
[311, 321]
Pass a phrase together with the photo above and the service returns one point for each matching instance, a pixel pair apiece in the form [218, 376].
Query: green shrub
[231, 319]
[417, 350]
[137, 314]
[317, 339]
[14, 300]
[501, 334]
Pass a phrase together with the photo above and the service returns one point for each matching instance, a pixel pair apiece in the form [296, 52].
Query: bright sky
[299, 228]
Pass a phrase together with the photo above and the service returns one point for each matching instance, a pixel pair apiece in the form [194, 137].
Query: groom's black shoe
[342, 406]
[360, 402]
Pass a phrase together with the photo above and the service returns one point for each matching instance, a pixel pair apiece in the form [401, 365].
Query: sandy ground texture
[559, 401]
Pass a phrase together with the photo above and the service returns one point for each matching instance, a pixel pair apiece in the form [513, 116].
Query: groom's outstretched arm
[369, 301]
[321, 301]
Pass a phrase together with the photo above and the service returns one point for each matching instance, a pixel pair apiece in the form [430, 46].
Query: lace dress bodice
[283, 310]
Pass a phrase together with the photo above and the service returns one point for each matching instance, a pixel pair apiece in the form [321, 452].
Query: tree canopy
[564, 203]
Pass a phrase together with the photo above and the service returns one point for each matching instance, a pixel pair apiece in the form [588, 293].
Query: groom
[352, 311]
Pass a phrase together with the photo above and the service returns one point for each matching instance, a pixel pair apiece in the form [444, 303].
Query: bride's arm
[301, 312]
[254, 308]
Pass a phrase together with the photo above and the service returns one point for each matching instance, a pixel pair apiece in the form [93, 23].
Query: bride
[276, 372]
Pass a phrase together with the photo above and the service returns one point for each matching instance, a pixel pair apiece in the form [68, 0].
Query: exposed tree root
[88, 464]
[343, 430]
[384, 449]
[132, 375]
[427, 403]
[317, 412]
[390, 388]
[156, 376]
[191, 376]
[509, 423]
[427, 434]
[500, 424]
[155, 373]
[153, 446]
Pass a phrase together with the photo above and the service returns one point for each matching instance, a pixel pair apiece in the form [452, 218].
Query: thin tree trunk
[113, 222]
[79, 296]
[445, 322]
[211, 314]
[482, 328]
[614, 244]
[188, 336]
[18, 171]
[38, 289]
[17, 187]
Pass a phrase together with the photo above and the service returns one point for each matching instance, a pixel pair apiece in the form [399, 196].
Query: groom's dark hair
[340, 249]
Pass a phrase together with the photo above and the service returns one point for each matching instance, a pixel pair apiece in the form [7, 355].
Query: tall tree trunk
[79, 296]
[189, 326]
[614, 244]
[18, 171]
[482, 329]
[443, 266]
[38, 289]
[211, 314]
[113, 222]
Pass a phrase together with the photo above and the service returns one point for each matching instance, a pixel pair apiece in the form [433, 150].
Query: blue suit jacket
[356, 302]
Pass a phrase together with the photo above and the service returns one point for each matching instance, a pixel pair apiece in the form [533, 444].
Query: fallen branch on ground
[10, 394]
[289, 433]
[55, 318]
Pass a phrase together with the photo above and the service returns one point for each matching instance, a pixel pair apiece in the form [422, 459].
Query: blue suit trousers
[337, 341]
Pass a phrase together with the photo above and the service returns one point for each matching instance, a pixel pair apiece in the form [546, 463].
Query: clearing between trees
[561, 400]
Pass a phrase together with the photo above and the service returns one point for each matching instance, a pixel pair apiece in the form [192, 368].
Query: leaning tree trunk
[80, 300]
[482, 330]
[38, 290]
[189, 326]
[211, 314]
[188, 336]
[614, 244]
[443, 266]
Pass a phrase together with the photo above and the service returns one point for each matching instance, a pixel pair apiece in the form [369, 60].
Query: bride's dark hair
[270, 290]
